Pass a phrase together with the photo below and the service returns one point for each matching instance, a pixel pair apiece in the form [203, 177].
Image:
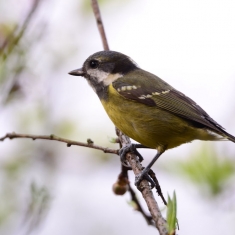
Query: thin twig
[56, 138]
[96, 10]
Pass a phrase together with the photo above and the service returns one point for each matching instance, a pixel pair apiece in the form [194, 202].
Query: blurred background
[47, 188]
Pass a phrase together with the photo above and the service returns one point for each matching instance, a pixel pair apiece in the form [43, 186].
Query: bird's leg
[144, 174]
[130, 148]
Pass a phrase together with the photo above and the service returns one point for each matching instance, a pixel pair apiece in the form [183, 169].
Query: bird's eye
[94, 64]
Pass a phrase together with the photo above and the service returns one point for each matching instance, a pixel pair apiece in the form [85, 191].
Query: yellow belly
[150, 126]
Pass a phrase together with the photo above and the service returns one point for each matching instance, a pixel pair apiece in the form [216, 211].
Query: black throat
[100, 89]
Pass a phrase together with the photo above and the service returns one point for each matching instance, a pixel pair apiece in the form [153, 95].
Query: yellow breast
[147, 125]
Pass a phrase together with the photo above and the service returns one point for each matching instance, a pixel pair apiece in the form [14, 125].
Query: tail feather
[229, 136]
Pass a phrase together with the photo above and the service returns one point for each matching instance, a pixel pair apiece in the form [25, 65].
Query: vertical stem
[100, 25]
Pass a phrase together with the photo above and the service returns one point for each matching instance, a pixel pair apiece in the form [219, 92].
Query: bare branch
[56, 138]
[145, 188]
[96, 10]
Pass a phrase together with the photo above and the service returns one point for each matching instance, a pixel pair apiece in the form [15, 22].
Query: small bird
[146, 108]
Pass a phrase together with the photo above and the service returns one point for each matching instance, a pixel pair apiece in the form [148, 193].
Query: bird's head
[105, 67]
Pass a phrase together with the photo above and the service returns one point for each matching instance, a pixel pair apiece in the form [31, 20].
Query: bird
[146, 108]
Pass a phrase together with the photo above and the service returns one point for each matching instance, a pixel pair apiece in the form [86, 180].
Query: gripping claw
[128, 148]
[144, 175]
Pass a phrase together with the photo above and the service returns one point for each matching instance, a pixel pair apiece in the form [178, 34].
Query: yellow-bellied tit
[146, 108]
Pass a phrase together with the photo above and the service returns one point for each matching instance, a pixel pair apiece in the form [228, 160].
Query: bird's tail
[229, 137]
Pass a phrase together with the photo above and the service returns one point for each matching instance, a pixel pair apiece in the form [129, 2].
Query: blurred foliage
[13, 54]
[38, 206]
[10, 177]
[13, 175]
[12, 169]
[212, 173]
[16, 169]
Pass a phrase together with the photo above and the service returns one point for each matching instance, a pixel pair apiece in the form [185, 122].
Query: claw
[129, 148]
[144, 175]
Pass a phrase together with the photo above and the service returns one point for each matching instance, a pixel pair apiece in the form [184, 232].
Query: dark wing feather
[153, 91]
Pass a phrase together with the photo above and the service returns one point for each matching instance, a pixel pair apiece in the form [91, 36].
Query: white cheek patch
[111, 78]
[101, 76]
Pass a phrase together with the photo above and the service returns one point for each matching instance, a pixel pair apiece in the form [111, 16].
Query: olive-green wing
[150, 90]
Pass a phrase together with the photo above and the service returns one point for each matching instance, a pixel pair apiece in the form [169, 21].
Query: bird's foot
[129, 148]
[144, 175]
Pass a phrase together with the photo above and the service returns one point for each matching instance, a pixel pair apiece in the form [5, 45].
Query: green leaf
[171, 217]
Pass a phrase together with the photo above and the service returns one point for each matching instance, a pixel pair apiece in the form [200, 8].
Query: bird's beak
[77, 72]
